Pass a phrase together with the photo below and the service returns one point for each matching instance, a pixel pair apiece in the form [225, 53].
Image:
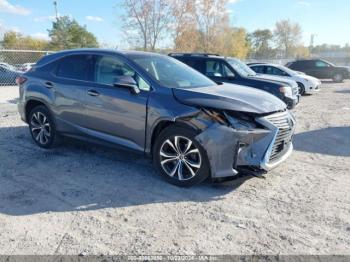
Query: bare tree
[186, 34]
[146, 21]
[288, 36]
[212, 21]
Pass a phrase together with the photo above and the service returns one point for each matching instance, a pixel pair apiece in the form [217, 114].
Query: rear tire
[42, 128]
[180, 159]
[338, 78]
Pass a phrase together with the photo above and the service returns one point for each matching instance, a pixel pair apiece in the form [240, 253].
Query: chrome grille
[283, 121]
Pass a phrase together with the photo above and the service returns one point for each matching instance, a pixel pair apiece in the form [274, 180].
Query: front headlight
[286, 91]
[241, 124]
[236, 120]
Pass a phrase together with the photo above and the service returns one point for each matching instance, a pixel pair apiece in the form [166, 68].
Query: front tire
[338, 78]
[42, 128]
[181, 160]
[301, 89]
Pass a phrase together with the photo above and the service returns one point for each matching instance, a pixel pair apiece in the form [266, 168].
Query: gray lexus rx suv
[192, 127]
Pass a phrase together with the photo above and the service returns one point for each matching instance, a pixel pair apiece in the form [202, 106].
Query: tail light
[20, 80]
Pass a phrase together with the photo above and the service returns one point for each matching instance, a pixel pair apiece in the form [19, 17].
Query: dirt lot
[92, 200]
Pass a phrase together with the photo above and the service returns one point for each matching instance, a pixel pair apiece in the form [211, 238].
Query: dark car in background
[321, 69]
[232, 70]
[154, 104]
[8, 74]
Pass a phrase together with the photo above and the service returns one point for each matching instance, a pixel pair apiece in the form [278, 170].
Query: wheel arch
[163, 124]
[31, 104]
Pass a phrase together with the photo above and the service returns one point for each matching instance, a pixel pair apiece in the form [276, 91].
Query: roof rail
[192, 54]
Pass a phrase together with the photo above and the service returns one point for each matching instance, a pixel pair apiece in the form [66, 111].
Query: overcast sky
[329, 20]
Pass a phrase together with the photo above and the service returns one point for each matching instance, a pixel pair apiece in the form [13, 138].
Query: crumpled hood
[230, 97]
[275, 79]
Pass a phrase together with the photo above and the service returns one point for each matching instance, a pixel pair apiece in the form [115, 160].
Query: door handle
[49, 85]
[93, 92]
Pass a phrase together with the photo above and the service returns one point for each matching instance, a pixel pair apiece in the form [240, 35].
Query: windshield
[171, 73]
[240, 67]
[288, 71]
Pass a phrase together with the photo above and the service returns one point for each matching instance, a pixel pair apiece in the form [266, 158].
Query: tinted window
[296, 65]
[258, 69]
[321, 64]
[75, 67]
[109, 69]
[216, 68]
[199, 65]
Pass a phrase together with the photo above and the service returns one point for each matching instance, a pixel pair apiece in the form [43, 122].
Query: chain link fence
[13, 63]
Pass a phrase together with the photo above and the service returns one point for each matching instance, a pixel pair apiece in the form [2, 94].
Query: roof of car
[197, 55]
[49, 58]
[264, 64]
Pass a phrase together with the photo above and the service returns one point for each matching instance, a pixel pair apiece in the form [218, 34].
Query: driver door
[115, 113]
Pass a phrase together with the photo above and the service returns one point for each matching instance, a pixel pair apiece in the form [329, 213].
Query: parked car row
[307, 84]
[8, 74]
[233, 71]
[195, 115]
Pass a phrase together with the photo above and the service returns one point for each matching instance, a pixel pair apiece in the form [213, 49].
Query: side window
[258, 69]
[227, 71]
[75, 67]
[196, 64]
[321, 64]
[214, 68]
[109, 70]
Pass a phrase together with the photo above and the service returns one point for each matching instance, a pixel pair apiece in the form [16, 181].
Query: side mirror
[127, 82]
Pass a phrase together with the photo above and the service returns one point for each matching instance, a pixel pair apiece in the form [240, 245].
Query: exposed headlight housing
[286, 91]
[236, 120]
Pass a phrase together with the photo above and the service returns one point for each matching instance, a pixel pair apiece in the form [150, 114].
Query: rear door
[69, 86]
[114, 113]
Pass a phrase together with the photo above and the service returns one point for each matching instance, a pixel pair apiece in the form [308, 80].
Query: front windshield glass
[287, 70]
[171, 73]
[241, 67]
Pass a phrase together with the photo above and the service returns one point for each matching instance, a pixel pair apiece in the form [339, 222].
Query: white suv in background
[307, 84]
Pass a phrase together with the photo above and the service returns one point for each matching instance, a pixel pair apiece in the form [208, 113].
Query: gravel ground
[87, 199]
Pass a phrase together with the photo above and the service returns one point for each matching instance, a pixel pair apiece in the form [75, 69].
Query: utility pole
[312, 41]
[56, 12]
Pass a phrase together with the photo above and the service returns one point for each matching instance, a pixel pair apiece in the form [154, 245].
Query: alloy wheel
[40, 128]
[180, 158]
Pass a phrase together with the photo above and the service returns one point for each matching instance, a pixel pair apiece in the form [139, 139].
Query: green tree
[66, 33]
[14, 40]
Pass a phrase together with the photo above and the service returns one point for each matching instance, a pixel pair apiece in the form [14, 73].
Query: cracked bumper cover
[230, 150]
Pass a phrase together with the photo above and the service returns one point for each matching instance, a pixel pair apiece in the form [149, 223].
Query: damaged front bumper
[259, 149]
